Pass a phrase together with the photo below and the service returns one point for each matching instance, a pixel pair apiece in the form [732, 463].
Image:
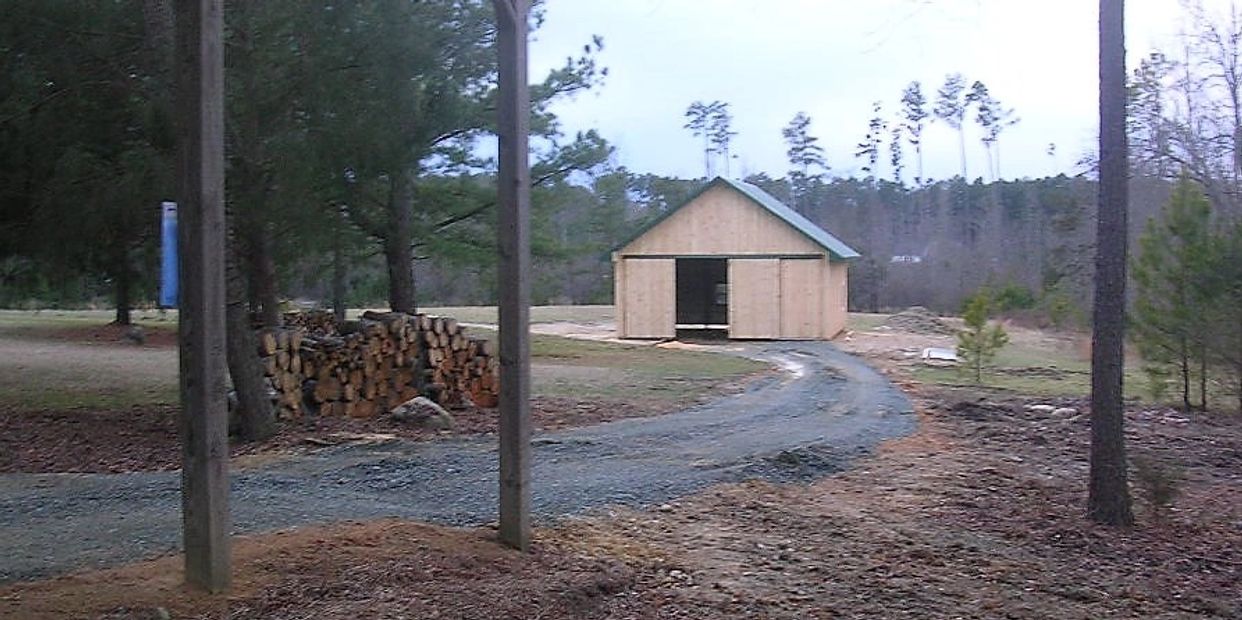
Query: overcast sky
[832, 59]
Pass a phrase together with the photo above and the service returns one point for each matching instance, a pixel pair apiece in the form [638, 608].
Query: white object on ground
[939, 354]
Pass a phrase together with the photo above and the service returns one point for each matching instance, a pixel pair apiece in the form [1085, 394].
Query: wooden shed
[732, 258]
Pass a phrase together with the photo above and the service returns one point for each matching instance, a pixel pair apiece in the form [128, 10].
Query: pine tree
[700, 120]
[869, 148]
[804, 156]
[992, 118]
[1108, 493]
[1173, 292]
[721, 130]
[978, 344]
[951, 107]
[1225, 311]
[914, 114]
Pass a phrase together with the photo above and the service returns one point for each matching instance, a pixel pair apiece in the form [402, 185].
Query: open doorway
[702, 297]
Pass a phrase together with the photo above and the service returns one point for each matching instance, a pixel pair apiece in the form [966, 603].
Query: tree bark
[1203, 378]
[961, 145]
[256, 420]
[123, 277]
[263, 273]
[338, 274]
[1108, 498]
[1184, 363]
[398, 255]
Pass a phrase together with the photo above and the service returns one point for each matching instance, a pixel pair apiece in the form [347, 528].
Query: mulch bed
[384, 569]
[146, 438]
[980, 514]
[106, 334]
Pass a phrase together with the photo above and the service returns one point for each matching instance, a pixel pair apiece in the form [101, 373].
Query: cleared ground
[976, 515]
[826, 409]
[60, 360]
[979, 514]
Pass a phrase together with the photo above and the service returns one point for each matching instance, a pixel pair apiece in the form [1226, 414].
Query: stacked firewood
[370, 366]
[280, 353]
[458, 366]
[312, 322]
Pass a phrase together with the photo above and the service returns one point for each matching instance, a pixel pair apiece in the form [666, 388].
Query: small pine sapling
[979, 342]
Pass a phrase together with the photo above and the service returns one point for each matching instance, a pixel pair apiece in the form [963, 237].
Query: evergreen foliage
[978, 344]
[1173, 293]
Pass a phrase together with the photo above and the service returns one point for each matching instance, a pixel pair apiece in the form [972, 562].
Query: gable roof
[836, 248]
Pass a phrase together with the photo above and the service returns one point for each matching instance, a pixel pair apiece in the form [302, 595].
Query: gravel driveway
[824, 409]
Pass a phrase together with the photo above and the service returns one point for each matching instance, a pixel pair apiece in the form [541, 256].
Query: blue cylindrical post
[168, 255]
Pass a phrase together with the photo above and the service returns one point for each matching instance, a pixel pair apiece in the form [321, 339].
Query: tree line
[355, 169]
[953, 104]
[353, 131]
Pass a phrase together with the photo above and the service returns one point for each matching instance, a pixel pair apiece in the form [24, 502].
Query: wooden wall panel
[754, 298]
[836, 308]
[649, 298]
[803, 283]
[618, 293]
[722, 221]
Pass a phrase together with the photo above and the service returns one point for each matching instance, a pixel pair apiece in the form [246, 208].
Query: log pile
[371, 367]
[458, 366]
[367, 367]
[280, 353]
[312, 322]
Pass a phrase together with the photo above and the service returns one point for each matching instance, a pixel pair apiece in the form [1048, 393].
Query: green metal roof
[836, 248]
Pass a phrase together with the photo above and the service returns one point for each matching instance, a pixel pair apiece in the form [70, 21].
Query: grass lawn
[65, 360]
[1037, 364]
[538, 314]
[633, 373]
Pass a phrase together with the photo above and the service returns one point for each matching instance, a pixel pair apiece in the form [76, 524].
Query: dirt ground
[76, 396]
[145, 438]
[977, 515]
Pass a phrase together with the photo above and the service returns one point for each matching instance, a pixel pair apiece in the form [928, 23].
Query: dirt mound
[919, 320]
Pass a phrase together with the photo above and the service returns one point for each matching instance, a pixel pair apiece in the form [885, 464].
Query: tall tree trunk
[707, 157]
[123, 277]
[338, 276]
[1237, 370]
[1203, 378]
[398, 256]
[262, 269]
[256, 420]
[1184, 367]
[961, 146]
[1108, 498]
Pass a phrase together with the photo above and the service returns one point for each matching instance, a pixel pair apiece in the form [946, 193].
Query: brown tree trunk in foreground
[254, 412]
[1108, 499]
[263, 272]
[398, 256]
[338, 274]
[124, 288]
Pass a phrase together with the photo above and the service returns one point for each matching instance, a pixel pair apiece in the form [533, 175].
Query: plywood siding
[754, 298]
[803, 282]
[837, 306]
[722, 221]
[646, 287]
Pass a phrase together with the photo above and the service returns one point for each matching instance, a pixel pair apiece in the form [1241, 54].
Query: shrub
[1159, 483]
[979, 342]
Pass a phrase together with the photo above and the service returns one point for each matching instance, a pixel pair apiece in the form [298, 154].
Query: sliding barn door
[803, 285]
[650, 298]
[754, 298]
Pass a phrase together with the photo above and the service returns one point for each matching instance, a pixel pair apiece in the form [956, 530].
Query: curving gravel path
[825, 409]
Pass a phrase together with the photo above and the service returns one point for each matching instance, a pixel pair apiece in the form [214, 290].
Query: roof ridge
[836, 248]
